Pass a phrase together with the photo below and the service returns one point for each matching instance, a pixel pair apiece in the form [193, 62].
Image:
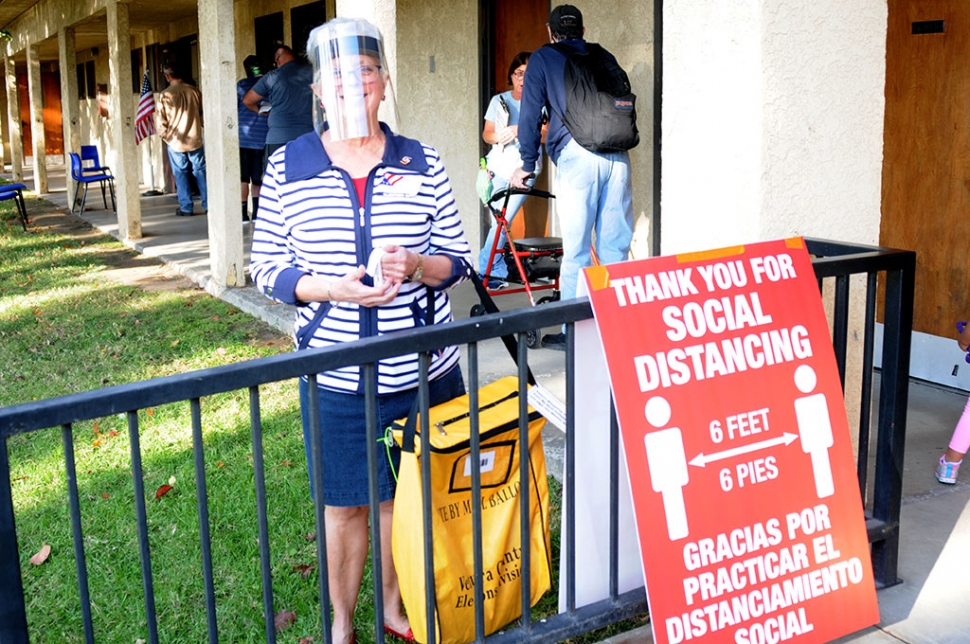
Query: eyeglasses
[519, 73]
[364, 72]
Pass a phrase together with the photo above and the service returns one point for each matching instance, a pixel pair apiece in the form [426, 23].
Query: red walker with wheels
[536, 260]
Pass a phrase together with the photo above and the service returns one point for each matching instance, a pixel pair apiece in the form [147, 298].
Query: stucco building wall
[795, 144]
[440, 107]
[625, 28]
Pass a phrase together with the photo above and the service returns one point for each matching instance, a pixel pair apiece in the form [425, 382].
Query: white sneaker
[947, 472]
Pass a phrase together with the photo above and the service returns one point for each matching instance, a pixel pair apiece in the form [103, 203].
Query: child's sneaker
[947, 472]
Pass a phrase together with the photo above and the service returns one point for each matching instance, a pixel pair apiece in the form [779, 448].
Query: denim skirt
[344, 436]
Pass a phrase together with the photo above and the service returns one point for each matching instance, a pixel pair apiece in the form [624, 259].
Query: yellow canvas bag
[449, 459]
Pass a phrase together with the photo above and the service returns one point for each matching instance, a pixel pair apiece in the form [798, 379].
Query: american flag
[145, 119]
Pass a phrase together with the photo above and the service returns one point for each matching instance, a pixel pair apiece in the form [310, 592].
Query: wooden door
[519, 25]
[926, 160]
[53, 123]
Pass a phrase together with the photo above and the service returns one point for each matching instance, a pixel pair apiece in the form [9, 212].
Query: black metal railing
[887, 272]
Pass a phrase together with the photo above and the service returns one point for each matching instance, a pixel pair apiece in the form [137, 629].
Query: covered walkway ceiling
[143, 15]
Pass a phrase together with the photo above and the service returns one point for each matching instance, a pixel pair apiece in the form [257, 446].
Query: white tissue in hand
[374, 267]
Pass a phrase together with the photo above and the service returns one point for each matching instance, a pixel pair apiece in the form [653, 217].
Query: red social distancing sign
[744, 483]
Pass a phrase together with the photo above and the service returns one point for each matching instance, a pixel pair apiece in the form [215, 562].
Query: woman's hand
[398, 264]
[502, 136]
[349, 288]
[507, 134]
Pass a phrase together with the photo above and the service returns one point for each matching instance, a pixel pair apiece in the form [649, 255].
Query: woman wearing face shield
[359, 229]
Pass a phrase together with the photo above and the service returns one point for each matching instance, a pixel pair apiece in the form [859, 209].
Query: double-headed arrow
[701, 459]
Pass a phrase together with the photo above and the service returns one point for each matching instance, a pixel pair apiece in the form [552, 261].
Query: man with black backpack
[592, 124]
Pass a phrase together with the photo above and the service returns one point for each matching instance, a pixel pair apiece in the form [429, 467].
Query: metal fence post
[893, 403]
[13, 613]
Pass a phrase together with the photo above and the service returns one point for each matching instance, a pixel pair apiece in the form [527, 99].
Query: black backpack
[601, 112]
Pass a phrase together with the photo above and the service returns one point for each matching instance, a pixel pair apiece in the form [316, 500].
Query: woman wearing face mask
[356, 223]
[501, 131]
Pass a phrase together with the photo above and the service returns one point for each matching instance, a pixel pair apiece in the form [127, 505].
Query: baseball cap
[565, 16]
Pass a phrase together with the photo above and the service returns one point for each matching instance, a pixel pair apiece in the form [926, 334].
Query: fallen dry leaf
[41, 555]
[105, 495]
[219, 464]
[306, 640]
[283, 620]
[304, 570]
[162, 491]
[287, 463]
[150, 411]
[311, 536]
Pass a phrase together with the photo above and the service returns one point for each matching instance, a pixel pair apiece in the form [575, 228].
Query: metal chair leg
[22, 207]
[111, 187]
[77, 187]
[104, 197]
[84, 196]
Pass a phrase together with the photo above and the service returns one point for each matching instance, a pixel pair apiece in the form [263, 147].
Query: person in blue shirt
[501, 131]
[593, 191]
[253, 127]
[287, 90]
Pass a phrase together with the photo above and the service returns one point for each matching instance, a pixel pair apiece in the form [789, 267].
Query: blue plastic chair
[15, 191]
[85, 179]
[89, 153]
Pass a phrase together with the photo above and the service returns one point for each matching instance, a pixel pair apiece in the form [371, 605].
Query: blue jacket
[544, 86]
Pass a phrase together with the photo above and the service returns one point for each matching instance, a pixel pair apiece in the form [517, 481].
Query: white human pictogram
[668, 465]
[815, 429]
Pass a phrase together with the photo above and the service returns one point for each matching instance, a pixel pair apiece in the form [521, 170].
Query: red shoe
[404, 637]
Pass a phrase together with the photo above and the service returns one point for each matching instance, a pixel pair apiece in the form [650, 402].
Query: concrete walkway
[930, 606]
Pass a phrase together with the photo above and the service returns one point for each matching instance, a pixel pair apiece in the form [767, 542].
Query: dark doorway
[302, 21]
[269, 36]
[183, 56]
[512, 26]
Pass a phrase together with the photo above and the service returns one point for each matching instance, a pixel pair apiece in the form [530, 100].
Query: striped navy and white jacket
[311, 222]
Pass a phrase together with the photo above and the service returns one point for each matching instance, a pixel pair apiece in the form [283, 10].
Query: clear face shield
[350, 79]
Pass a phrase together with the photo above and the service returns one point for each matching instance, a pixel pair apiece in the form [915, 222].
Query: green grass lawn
[68, 323]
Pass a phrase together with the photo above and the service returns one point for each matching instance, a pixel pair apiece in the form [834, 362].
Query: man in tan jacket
[180, 126]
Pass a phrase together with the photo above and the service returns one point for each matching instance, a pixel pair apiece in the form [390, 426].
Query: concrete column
[70, 111]
[121, 120]
[217, 48]
[13, 118]
[35, 92]
[4, 132]
[769, 128]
